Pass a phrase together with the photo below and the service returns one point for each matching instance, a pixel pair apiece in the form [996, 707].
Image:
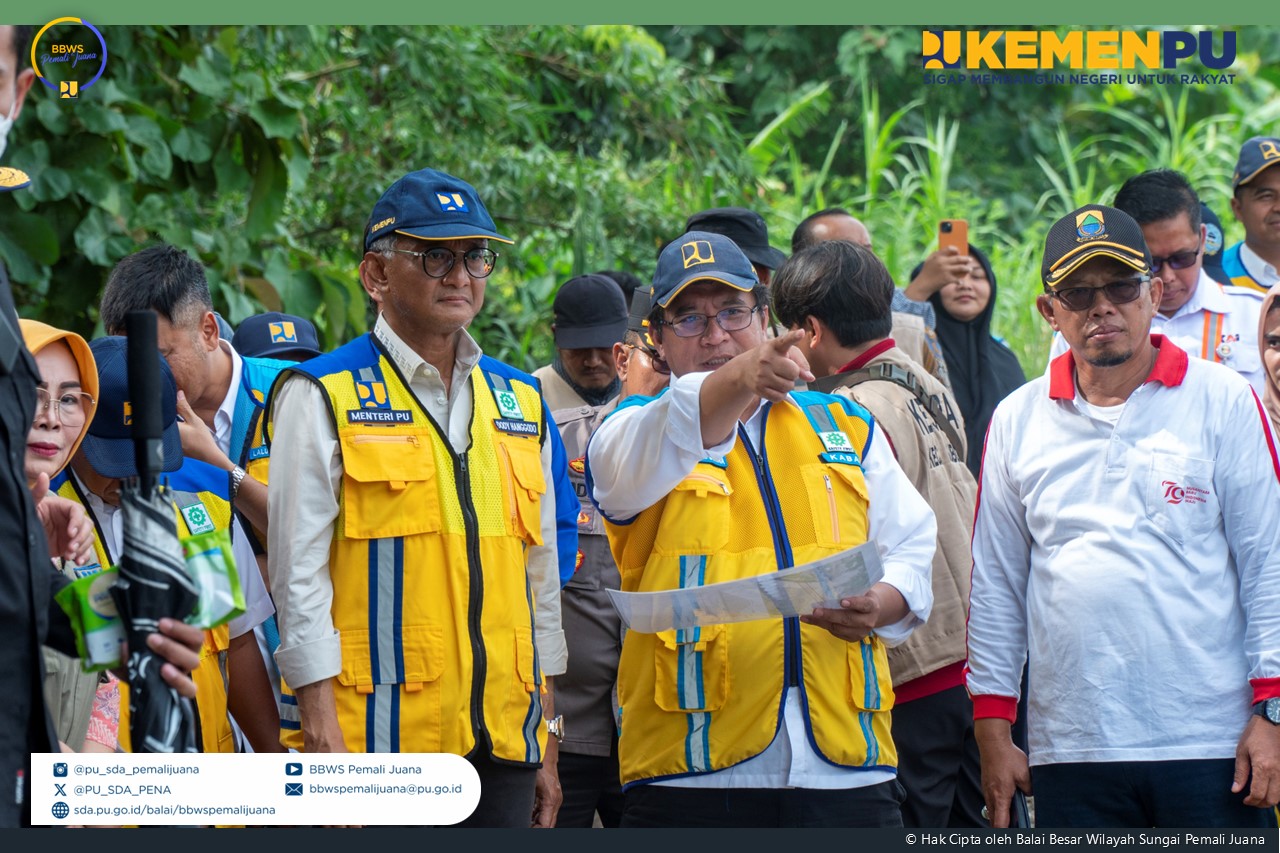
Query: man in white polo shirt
[1127, 537]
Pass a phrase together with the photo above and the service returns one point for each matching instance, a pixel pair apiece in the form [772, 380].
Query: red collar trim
[1169, 370]
[862, 360]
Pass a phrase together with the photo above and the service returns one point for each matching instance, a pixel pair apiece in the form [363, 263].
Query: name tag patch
[379, 416]
[516, 427]
[849, 458]
[259, 453]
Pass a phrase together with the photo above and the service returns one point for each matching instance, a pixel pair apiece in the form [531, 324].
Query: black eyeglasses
[658, 363]
[694, 325]
[1118, 293]
[436, 263]
[1176, 261]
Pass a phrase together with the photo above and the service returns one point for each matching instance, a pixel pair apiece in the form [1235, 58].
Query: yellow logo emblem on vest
[697, 252]
[373, 395]
[128, 413]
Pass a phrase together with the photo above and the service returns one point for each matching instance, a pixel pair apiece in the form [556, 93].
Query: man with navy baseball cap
[1255, 185]
[274, 335]
[417, 541]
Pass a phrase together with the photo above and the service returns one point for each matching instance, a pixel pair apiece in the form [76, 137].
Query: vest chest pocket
[523, 486]
[389, 485]
[837, 502]
[421, 659]
[692, 669]
[695, 519]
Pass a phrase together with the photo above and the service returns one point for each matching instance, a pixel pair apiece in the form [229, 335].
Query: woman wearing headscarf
[85, 706]
[1269, 343]
[983, 370]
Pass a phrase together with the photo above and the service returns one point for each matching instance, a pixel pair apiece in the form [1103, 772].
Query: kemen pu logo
[1090, 225]
[697, 252]
[1076, 49]
[69, 55]
[452, 202]
[282, 333]
[1268, 149]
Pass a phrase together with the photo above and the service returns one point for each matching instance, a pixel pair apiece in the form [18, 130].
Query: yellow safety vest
[428, 563]
[698, 700]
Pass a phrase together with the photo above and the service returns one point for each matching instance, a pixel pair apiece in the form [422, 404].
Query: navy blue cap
[1214, 242]
[1258, 153]
[698, 255]
[276, 335]
[431, 205]
[590, 312]
[108, 445]
[744, 227]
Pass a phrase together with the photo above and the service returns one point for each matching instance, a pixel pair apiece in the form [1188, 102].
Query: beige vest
[558, 393]
[940, 476]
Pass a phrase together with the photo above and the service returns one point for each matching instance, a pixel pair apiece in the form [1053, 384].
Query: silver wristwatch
[555, 727]
[237, 477]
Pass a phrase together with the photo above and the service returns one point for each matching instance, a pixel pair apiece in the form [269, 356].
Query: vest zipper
[782, 548]
[831, 502]
[475, 602]
[385, 439]
[703, 478]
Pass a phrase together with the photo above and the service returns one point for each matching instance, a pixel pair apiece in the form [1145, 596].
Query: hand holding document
[790, 592]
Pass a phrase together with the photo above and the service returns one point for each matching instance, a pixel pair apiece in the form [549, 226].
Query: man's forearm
[319, 712]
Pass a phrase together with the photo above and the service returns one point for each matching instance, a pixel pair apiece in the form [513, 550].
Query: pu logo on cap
[1269, 149]
[693, 253]
[128, 414]
[1090, 225]
[452, 202]
[373, 395]
[282, 333]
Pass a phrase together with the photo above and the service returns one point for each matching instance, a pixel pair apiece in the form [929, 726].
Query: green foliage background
[262, 149]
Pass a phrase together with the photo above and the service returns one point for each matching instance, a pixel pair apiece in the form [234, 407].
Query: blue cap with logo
[1258, 153]
[276, 335]
[698, 256]
[431, 205]
[1213, 245]
[108, 445]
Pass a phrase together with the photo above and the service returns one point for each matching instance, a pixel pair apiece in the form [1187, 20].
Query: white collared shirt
[225, 416]
[1218, 320]
[1138, 563]
[1262, 271]
[306, 479]
[667, 434]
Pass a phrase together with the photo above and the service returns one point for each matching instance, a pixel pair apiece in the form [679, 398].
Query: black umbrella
[153, 581]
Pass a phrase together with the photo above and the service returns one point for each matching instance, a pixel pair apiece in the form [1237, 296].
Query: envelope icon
[293, 789]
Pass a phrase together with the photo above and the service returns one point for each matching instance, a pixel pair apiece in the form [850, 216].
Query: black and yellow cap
[1257, 154]
[1090, 232]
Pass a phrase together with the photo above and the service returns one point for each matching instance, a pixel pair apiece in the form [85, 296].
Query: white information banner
[252, 789]
[790, 592]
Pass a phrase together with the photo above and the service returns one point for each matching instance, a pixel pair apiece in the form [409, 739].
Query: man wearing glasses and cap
[776, 722]
[1208, 320]
[1128, 537]
[418, 489]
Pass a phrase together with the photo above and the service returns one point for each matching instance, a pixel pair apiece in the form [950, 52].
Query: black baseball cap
[276, 335]
[1214, 242]
[591, 313]
[641, 305]
[431, 205]
[744, 227]
[1258, 153]
[108, 444]
[1089, 232]
[698, 256]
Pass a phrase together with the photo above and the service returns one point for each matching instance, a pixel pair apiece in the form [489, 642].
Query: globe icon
[61, 809]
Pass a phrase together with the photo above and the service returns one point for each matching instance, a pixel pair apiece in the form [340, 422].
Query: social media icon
[61, 810]
[293, 789]
[59, 769]
[293, 768]
[60, 790]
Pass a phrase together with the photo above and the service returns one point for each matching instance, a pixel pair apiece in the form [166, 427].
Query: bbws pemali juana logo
[68, 55]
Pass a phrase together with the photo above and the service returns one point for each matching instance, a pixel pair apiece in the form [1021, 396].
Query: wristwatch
[237, 476]
[555, 727]
[1269, 710]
